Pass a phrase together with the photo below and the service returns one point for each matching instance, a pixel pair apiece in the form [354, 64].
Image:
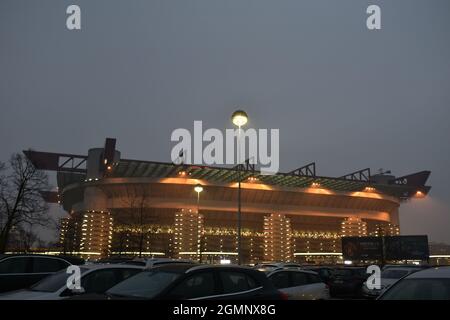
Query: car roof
[166, 260]
[70, 259]
[401, 269]
[221, 266]
[96, 266]
[174, 267]
[114, 260]
[415, 266]
[276, 264]
[9, 255]
[436, 272]
[292, 270]
[191, 267]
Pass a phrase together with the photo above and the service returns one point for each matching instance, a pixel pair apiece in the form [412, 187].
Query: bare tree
[21, 202]
[136, 203]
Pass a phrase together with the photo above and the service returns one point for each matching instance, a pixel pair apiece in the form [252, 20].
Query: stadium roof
[72, 168]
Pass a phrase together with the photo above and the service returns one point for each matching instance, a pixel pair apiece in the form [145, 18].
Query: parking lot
[44, 277]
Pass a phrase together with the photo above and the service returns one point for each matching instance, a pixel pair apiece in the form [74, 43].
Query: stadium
[122, 207]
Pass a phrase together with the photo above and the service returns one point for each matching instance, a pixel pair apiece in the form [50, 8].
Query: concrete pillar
[96, 234]
[97, 225]
[188, 234]
[277, 238]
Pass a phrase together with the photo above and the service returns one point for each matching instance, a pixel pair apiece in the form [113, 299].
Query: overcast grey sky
[343, 96]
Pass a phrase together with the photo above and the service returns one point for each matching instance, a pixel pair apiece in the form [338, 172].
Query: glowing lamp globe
[198, 188]
[239, 118]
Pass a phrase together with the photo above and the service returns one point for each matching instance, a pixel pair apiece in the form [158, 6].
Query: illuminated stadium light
[239, 118]
[198, 188]
[420, 194]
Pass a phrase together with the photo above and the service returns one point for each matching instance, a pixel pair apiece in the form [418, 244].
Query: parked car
[428, 284]
[298, 284]
[347, 281]
[114, 260]
[388, 277]
[95, 278]
[23, 270]
[411, 266]
[153, 262]
[196, 282]
[275, 265]
[325, 273]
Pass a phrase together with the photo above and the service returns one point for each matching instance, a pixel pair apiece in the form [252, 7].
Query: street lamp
[199, 188]
[239, 118]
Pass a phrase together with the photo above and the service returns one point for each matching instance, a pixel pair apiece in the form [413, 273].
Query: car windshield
[145, 284]
[393, 274]
[419, 289]
[54, 282]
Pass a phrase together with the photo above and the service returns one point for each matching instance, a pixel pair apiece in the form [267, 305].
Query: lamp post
[198, 188]
[239, 118]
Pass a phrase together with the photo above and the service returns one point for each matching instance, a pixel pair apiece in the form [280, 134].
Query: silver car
[95, 278]
[388, 277]
[429, 284]
[154, 262]
[270, 266]
[299, 284]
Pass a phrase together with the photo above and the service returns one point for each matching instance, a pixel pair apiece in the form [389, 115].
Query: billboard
[362, 248]
[391, 247]
[406, 248]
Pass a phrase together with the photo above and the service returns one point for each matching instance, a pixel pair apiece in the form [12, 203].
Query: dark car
[347, 281]
[325, 273]
[195, 282]
[409, 266]
[22, 271]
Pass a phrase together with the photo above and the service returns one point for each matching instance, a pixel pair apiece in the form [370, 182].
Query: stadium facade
[120, 207]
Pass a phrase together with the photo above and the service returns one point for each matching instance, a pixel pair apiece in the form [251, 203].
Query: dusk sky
[343, 96]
